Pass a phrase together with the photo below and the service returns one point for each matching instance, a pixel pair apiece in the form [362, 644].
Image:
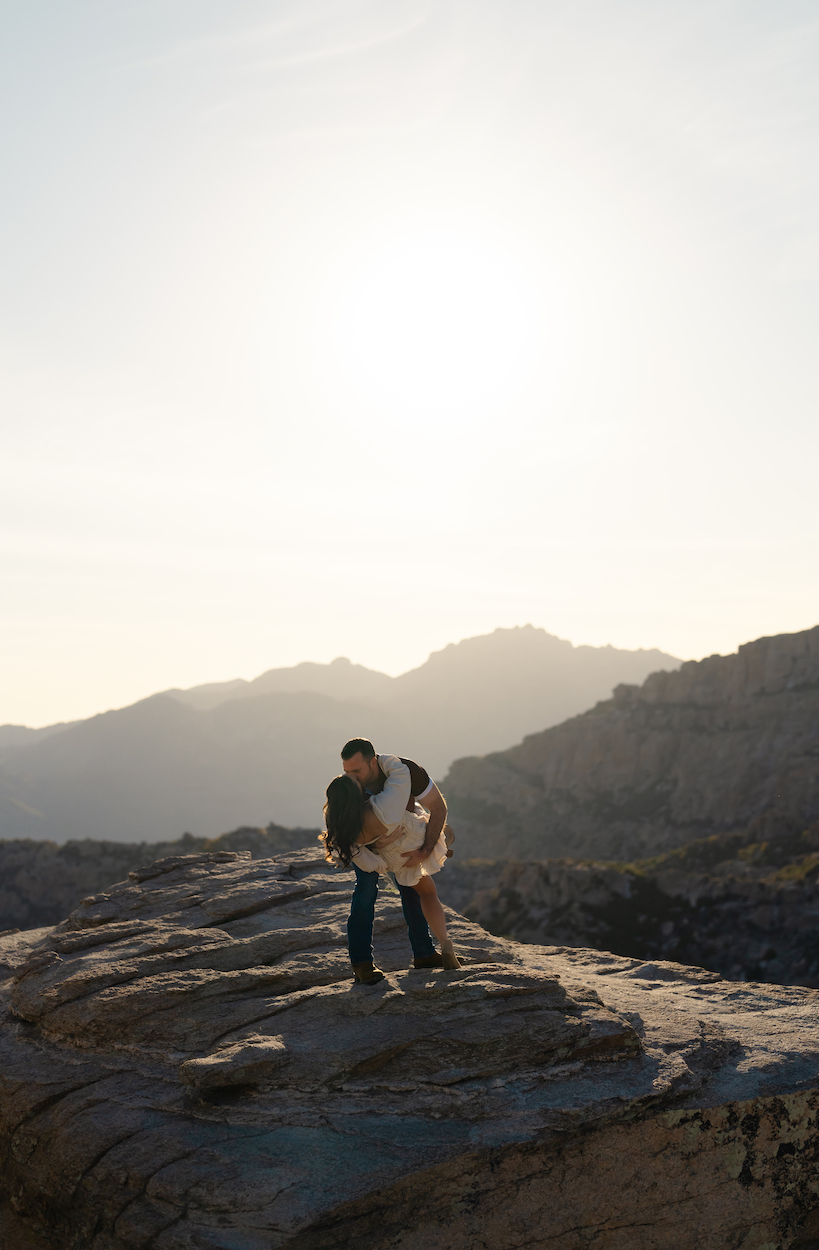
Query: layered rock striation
[186, 1064]
[715, 746]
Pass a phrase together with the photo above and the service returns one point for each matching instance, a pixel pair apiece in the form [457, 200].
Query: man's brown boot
[428, 961]
[367, 974]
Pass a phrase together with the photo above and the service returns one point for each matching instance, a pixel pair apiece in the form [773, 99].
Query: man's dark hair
[355, 745]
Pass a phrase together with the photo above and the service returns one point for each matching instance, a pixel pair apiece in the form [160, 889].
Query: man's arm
[390, 805]
[435, 803]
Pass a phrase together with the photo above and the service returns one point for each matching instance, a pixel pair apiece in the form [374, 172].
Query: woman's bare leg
[432, 909]
[436, 919]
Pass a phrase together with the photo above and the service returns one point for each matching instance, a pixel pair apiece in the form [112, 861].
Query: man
[360, 761]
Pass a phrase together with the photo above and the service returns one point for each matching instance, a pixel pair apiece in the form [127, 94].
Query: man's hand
[413, 858]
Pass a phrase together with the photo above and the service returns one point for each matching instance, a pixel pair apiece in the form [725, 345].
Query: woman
[356, 831]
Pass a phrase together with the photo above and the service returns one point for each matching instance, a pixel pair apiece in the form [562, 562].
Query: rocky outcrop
[186, 1064]
[715, 746]
[41, 881]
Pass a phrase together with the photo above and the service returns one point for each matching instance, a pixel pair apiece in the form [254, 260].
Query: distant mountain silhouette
[471, 697]
[21, 735]
[340, 680]
[232, 753]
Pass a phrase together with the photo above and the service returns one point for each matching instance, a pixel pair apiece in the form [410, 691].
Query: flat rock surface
[186, 1063]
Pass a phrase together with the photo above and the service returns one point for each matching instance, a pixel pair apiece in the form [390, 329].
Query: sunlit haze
[359, 328]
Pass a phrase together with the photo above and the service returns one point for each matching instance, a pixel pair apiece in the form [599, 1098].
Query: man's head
[360, 761]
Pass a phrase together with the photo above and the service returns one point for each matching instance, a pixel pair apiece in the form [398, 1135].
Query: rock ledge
[186, 1065]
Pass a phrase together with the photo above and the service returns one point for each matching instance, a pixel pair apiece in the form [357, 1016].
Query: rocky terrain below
[712, 748]
[185, 1064]
[748, 910]
[41, 881]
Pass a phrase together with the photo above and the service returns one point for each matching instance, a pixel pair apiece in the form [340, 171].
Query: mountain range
[729, 743]
[246, 752]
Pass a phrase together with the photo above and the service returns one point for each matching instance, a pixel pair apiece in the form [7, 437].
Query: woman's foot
[449, 957]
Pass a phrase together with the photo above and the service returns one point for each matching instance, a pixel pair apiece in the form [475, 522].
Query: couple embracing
[386, 815]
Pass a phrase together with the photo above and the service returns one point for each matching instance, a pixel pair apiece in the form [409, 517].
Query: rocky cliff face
[714, 746]
[749, 912]
[185, 1064]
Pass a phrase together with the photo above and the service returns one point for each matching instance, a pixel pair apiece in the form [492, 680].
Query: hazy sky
[361, 327]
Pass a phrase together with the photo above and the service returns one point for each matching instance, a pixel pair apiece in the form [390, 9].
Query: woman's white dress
[404, 831]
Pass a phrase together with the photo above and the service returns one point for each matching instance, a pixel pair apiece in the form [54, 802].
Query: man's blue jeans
[362, 915]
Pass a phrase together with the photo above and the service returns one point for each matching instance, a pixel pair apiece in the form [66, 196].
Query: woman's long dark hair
[344, 817]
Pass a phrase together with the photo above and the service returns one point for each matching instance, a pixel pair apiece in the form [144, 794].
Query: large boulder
[187, 1065]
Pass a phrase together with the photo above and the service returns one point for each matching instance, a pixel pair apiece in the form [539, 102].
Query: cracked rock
[186, 1064]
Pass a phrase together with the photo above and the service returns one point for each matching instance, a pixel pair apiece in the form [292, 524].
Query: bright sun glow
[439, 324]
